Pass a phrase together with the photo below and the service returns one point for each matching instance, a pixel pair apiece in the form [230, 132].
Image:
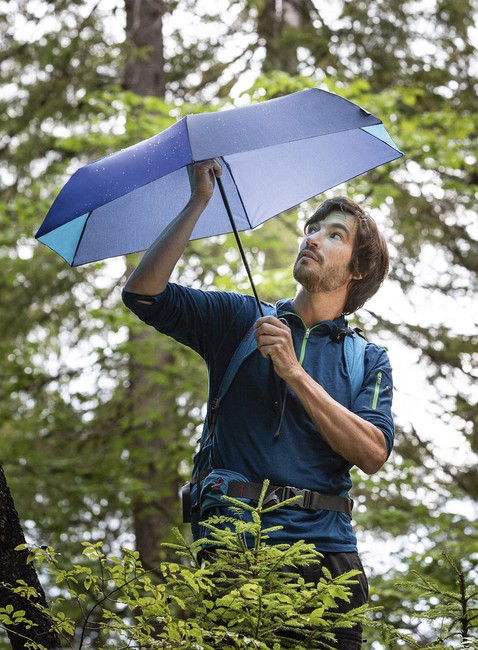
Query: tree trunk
[283, 25]
[155, 507]
[144, 70]
[14, 567]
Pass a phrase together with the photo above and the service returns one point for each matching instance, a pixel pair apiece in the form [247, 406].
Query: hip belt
[275, 494]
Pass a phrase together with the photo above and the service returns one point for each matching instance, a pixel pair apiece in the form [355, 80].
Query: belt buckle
[272, 498]
[290, 492]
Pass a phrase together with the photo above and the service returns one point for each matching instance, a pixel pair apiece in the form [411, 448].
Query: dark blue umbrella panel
[275, 154]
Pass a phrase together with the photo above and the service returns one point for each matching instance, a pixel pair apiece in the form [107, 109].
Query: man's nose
[314, 239]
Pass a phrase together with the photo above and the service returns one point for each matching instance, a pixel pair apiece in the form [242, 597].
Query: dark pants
[337, 564]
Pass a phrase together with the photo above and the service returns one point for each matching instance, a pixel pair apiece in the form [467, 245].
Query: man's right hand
[202, 177]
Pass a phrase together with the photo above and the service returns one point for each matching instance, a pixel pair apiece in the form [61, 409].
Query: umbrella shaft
[239, 244]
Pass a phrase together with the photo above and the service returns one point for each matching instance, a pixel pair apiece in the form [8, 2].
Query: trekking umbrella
[274, 155]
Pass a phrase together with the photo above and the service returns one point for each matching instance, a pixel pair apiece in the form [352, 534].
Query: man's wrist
[198, 202]
[294, 376]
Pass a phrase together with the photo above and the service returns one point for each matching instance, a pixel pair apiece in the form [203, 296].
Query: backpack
[354, 351]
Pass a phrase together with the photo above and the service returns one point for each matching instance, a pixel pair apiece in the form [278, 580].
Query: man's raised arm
[153, 272]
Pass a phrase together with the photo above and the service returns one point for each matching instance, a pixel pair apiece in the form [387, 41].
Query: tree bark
[155, 507]
[144, 70]
[281, 25]
[14, 567]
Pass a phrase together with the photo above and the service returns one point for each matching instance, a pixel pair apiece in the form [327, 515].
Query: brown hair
[370, 258]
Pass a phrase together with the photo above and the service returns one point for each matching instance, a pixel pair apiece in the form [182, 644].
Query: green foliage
[452, 611]
[241, 597]
[75, 445]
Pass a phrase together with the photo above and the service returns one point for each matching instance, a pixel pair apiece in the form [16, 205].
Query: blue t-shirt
[213, 324]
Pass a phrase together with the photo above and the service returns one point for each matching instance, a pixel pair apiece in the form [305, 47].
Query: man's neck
[317, 307]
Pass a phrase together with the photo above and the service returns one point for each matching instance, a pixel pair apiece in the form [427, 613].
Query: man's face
[322, 265]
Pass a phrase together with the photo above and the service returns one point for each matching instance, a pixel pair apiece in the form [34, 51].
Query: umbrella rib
[80, 238]
[239, 244]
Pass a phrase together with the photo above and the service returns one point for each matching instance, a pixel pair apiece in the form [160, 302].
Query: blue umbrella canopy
[275, 154]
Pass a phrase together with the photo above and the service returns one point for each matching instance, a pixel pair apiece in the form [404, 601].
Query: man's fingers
[271, 320]
[205, 166]
[217, 167]
[202, 178]
[212, 166]
[270, 332]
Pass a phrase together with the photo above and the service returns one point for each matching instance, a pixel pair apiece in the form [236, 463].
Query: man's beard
[317, 279]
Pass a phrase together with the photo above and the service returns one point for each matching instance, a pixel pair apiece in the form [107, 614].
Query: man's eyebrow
[338, 225]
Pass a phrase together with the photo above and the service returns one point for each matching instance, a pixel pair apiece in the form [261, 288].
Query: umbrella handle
[239, 244]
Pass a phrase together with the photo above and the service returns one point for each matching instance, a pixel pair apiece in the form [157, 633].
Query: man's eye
[311, 230]
[336, 235]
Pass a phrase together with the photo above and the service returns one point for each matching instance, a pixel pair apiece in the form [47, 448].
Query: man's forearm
[349, 435]
[153, 272]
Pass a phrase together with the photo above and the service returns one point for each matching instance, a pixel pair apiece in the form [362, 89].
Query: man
[313, 442]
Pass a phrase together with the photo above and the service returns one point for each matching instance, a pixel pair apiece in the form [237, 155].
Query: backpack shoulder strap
[354, 353]
[243, 350]
[202, 460]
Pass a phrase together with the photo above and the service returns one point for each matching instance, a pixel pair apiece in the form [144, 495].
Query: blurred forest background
[99, 416]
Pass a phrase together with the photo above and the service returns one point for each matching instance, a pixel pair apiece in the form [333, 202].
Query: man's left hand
[274, 340]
